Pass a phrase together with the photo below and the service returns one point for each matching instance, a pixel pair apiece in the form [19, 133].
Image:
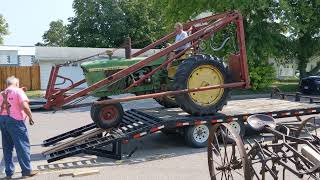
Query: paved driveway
[158, 156]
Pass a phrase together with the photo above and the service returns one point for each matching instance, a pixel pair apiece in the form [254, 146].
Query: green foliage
[262, 75]
[301, 17]
[56, 35]
[106, 23]
[3, 28]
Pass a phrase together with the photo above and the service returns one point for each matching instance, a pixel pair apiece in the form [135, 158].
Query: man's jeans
[15, 134]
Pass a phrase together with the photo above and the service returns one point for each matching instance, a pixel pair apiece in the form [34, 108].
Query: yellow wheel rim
[202, 76]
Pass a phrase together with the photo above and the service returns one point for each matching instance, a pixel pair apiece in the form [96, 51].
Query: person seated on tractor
[180, 35]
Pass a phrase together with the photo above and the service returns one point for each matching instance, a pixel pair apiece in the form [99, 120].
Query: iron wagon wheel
[227, 161]
[309, 128]
[107, 115]
[201, 71]
[167, 101]
[239, 128]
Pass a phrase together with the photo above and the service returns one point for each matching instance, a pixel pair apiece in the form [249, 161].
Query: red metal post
[48, 85]
[243, 53]
[52, 81]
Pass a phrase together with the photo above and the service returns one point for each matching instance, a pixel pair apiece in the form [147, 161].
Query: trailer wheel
[93, 107]
[107, 116]
[200, 71]
[167, 102]
[239, 129]
[197, 136]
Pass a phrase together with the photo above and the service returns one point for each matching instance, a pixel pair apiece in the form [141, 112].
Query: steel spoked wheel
[107, 116]
[227, 161]
[309, 128]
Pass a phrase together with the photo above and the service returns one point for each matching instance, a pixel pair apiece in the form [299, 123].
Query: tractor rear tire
[167, 102]
[107, 115]
[200, 71]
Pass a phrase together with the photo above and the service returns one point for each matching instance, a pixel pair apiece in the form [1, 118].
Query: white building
[17, 55]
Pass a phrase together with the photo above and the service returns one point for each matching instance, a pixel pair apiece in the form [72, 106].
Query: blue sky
[28, 19]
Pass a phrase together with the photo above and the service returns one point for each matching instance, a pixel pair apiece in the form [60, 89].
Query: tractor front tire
[107, 115]
[167, 102]
[201, 71]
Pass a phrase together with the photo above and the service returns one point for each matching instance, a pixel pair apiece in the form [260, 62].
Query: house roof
[74, 53]
[22, 50]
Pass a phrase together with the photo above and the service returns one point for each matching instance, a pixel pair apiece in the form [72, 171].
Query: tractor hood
[114, 64]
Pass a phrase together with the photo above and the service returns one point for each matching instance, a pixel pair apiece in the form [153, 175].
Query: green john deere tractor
[192, 71]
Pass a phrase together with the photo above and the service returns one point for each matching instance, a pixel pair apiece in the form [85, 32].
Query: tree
[106, 23]
[56, 35]
[3, 28]
[263, 32]
[302, 19]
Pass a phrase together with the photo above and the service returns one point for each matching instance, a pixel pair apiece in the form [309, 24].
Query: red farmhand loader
[196, 82]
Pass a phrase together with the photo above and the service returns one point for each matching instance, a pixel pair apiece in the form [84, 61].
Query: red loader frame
[57, 98]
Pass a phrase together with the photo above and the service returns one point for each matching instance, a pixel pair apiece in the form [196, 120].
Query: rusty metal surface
[235, 67]
[170, 93]
[284, 153]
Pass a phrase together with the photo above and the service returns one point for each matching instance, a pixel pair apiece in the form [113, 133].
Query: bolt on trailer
[197, 83]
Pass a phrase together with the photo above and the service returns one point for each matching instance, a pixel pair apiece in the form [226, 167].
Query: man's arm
[27, 110]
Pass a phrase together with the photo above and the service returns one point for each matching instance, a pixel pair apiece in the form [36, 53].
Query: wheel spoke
[218, 173]
[225, 146]
[236, 171]
[315, 126]
[222, 175]
[217, 142]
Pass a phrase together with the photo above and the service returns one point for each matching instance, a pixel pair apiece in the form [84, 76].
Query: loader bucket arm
[204, 32]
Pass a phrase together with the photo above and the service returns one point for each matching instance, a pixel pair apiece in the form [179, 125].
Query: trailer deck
[141, 122]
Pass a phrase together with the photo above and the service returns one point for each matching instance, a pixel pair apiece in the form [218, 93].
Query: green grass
[35, 94]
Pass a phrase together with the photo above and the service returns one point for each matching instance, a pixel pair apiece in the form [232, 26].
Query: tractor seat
[259, 121]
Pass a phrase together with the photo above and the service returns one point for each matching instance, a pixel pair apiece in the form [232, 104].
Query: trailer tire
[107, 115]
[197, 136]
[200, 71]
[239, 128]
[94, 107]
[167, 102]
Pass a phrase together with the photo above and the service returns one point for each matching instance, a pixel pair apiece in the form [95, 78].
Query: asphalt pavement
[157, 156]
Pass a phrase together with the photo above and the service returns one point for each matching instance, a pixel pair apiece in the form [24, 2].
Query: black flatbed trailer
[138, 123]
